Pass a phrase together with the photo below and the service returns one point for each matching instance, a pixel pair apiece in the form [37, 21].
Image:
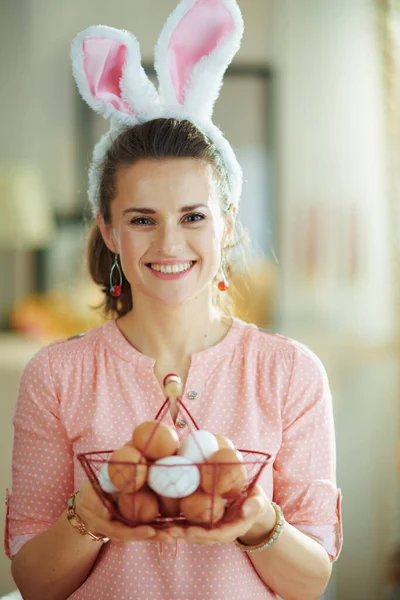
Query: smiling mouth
[171, 269]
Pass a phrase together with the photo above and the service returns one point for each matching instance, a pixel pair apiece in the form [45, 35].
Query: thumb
[250, 508]
[106, 514]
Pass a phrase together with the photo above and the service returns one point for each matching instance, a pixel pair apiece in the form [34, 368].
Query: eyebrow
[150, 211]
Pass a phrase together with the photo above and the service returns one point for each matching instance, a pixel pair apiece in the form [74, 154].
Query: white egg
[198, 446]
[105, 482]
[173, 477]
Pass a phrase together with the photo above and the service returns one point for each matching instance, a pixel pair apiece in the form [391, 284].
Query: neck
[173, 333]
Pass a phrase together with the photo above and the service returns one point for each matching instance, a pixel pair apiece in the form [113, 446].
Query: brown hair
[156, 139]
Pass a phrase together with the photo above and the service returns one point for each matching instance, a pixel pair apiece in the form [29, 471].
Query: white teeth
[171, 268]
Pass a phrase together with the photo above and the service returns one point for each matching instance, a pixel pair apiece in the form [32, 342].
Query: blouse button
[192, 395]
[181, 423]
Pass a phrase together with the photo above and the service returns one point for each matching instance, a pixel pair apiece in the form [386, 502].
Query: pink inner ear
[196, 35]
[103, 60]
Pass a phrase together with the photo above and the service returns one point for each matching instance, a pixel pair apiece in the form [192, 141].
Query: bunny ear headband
[196, 45]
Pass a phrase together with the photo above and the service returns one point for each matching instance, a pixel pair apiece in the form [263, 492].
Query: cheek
[132, 246]
[132, 249]
[210, 237]
[209, 250]
[213, 246]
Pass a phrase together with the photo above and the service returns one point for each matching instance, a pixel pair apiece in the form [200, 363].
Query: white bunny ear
[195, 47]
[106, 64]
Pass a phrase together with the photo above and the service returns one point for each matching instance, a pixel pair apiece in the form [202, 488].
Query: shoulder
[293, 353]
[265, 339]
[69, 350]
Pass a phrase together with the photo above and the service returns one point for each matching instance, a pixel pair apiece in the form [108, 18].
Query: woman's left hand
[255, 522]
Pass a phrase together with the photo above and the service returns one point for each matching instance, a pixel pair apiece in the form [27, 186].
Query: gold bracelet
[80, 525]
[273, 536]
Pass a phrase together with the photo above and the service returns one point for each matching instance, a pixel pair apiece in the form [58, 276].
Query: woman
[165, 191]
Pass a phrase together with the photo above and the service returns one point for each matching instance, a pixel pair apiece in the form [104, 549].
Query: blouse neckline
[125, 350]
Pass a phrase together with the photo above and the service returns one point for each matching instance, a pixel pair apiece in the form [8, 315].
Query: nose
[170, 240]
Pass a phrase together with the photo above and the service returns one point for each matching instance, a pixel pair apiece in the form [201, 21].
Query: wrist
[261, 529]
[75, 520]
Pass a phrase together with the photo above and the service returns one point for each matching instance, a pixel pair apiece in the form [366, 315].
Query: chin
[171, 298]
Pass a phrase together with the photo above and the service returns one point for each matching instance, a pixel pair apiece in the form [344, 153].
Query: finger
[199, 535]
[177, 532]
[118, 532]
[227, 532]
[254, 504]
[223, 533]
[164, 536]
[144, 533]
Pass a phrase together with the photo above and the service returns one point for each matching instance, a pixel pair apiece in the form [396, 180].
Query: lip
[170, 276]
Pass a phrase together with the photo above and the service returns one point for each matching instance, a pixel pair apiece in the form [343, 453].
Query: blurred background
[311, 104]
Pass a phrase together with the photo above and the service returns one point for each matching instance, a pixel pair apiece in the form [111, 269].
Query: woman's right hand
[98, 520]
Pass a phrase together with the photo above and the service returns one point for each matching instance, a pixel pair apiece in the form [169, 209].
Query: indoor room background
[311, 105]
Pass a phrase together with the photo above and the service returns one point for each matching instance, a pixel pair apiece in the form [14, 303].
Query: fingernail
[151, 534]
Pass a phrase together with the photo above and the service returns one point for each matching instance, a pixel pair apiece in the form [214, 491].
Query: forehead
[157, 183]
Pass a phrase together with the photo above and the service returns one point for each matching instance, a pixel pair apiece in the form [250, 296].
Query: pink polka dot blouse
[262, 390]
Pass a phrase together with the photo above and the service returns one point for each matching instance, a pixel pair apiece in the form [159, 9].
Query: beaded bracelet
[275, 533]
[80, 526]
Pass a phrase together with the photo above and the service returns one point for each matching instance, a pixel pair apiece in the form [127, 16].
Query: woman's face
[167, 226]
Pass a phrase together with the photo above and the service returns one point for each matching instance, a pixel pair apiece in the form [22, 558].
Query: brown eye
[140, 221]
[194, 217]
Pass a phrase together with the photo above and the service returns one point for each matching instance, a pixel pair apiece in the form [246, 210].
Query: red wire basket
[135, 503]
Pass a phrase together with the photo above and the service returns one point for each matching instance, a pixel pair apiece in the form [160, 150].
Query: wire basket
[207, 508]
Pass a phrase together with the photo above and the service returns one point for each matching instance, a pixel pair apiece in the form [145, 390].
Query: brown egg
[223, 479]
[155, 439]
[123, 474]
[141, 506]
[202, 508]
[223, 441]
[169, 507]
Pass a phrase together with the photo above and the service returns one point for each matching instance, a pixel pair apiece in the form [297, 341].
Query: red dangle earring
[116, 290]
[223, 284]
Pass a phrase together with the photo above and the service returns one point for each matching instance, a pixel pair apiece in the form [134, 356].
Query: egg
[223, 441]
[198, 446]
[224, 479]
[104, 480]
[141, 506]
[173, 477]
[169, 507]
[202, 508]
[115, 476]
[155, 439]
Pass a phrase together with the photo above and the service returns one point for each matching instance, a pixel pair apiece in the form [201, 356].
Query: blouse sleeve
[305, 466]
[42, 458]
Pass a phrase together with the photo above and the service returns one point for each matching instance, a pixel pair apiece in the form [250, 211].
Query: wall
[335, 255]
[336, 292]
[53, 26]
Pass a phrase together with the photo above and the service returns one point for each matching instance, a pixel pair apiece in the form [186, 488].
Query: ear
[106, 233]
[195, 47]
[106, 65]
